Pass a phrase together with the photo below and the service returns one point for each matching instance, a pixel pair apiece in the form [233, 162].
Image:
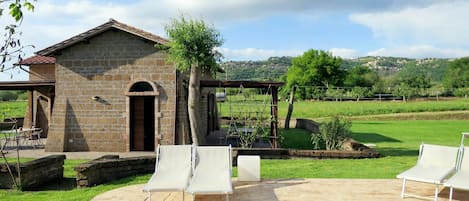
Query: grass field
[315, 109]
[12, 109]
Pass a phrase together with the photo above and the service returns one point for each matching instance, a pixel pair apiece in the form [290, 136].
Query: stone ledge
[34, 173]
[111, 167]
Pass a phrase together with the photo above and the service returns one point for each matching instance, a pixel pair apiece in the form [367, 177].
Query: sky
[259, 29]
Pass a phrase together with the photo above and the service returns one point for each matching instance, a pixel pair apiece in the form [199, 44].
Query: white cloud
[442, 24]
[345, 53]
[256, 54]
[420, 51]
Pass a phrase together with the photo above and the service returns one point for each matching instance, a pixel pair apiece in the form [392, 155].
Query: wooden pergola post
[274, 117]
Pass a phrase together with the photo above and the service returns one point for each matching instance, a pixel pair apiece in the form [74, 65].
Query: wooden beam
[274, 120]
[238, 83]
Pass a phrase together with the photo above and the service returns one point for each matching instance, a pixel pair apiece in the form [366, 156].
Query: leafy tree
[361, 76]
[314, 68]
[192, 48]
[414, 77]
[457, 74]
[360, 92]
[11, 47]
[405, 91]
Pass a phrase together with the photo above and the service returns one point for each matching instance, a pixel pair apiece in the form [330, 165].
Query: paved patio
[298, 190]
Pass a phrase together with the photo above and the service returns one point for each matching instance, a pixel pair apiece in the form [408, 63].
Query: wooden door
[142, 123]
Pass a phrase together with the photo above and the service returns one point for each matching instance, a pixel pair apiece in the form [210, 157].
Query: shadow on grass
[372, 138]
[398, 152]
[64, 184]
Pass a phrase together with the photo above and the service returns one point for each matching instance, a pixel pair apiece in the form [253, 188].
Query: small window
[141, 87]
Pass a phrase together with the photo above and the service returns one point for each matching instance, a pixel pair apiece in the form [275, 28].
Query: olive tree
[192, 47]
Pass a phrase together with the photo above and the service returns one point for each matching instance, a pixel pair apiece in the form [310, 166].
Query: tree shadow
[398, 152]
[64, 184]
[372, 138]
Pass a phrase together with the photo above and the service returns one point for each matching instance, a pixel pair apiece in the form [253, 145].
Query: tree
[457, 74]
[415, 77]
[360, 92]
[315, 68]
[192, 48]
[361, 76]
[11, 47]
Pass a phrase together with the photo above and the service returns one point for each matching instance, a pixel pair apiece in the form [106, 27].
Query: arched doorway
[142, 121]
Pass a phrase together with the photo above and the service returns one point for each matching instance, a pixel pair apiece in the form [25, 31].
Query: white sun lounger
[460, 180]
[172, 169]
[435, 163]
[212, 173]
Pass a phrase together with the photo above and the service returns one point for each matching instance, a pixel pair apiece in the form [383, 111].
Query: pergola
[45, 86]
[253, 84]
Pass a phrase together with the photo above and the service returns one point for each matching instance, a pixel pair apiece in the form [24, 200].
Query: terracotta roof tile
[99, 29]
[37, 59]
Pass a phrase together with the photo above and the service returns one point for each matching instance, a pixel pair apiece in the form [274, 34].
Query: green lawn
[397, 141]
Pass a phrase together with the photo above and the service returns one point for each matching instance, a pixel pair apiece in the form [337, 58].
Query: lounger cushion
[212, 173]
[173, 170]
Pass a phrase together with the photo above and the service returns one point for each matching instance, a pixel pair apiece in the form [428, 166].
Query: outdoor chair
[172, 169]
[212, 171]
[35, 138]
[460, 180]
[435, 163]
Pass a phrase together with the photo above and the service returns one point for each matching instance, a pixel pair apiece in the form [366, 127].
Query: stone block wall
[110, 168]
[34, 173]
[105, 66]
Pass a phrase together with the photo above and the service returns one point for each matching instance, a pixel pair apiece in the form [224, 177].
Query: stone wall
[308, 125]
[267, 153]
[34, 173]
[105, 66]
[112, 167]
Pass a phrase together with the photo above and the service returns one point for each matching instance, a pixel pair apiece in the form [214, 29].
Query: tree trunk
[193, 105]
[290, 107]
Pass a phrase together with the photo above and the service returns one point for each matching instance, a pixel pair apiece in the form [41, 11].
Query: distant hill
[276, 67]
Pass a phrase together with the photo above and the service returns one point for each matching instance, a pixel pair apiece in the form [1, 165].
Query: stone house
[110, 89]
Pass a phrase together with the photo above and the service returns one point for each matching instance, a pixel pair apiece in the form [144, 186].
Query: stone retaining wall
[34, 173]
[111, 167]
[267, 153]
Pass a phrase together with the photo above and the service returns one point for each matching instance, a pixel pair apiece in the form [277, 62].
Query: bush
[332, 134]
[461, 92]
[8, 96]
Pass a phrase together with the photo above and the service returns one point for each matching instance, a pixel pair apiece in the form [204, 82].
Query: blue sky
[258, 29]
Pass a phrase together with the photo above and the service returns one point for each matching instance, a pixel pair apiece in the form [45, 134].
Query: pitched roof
[37, 59]
[100, 29]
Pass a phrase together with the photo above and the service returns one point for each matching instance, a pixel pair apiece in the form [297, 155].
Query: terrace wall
[34, 173]
[111, 167]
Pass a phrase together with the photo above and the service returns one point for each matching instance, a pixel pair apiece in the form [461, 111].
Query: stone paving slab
[298, 190]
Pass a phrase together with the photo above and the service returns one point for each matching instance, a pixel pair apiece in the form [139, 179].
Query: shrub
[8, 96]
[332, 134]
[461, 92]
